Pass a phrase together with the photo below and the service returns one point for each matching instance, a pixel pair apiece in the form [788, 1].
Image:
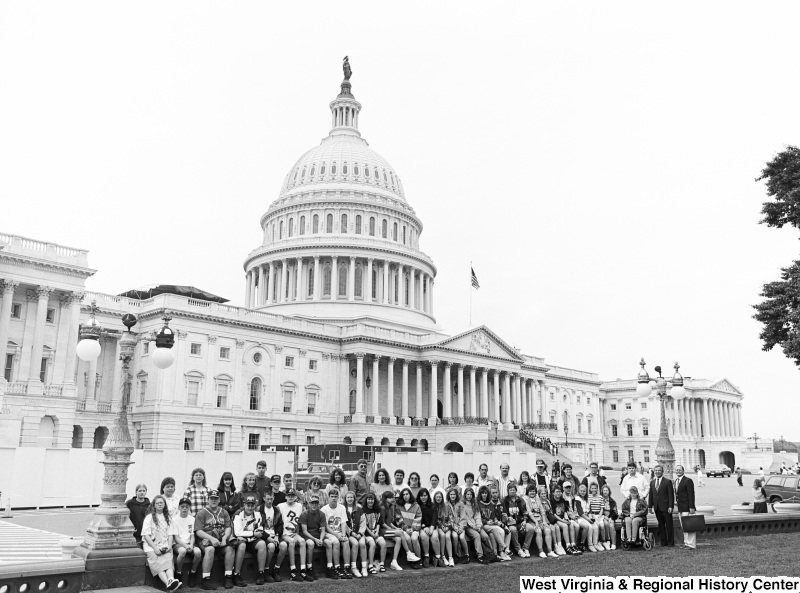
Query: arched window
[353, 401]
[376, 173]
[326, 282]
[313, 169]
[255, 394]
[329, 223]
[359, 292]
[358, 224]
[355, 170]
[344, 169]
[374, 284]
[274, 236]
[315, 224]
[371, 226]
[322, 169]
[342, 280]
[366, 172]
[302, 229]
[311, 281]
[280, 231]
[333, 169]
[384, 228]
[291, 227]
[394, 232]
[404, 234]
[344, 223]
[303, 174]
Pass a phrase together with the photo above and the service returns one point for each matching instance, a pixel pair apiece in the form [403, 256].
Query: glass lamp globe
[163, 358]
[88, 350]
[677, 392]
[643, 389]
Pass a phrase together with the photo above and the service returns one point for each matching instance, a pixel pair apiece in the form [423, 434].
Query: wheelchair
[644, 538]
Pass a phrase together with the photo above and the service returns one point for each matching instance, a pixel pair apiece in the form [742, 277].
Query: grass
[773, 555]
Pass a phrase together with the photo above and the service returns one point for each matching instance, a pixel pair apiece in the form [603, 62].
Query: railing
[401, 421]
[18, 387]
[370, 420]
[486, 442]
[104, 406]
[465, 420]
[385, 420]
[542, 426]
[53, 390]
[348, 419]
[419, 422]
[570, 445]
[80, 406]
[199, 303]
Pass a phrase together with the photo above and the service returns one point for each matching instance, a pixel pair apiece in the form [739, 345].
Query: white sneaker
[395, 566]
[607, 545]
[591, 548]
[451, 562]
[355, 571]
[552, 554]
[505, 557]
[543, 555]
[412, 557]
[613, 547]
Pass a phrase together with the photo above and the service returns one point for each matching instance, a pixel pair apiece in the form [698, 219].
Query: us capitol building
[337, 343]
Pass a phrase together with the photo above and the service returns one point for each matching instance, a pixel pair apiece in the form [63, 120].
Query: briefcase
[693, 523]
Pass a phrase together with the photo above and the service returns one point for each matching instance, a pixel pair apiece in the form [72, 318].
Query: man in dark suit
[661, 499]
[684, 495]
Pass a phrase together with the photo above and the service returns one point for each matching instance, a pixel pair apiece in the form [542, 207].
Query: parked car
[782, 488]
[320, 470]
[718, 471]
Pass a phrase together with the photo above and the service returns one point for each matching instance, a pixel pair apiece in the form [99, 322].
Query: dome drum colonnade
[469, 393]
[341, 231]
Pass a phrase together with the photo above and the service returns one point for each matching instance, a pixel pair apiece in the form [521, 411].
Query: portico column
[460, 382]
[265, 284]
[430, 308]
[404, 396]
[91, 380]
[484, 411]
[523, 391]
[248, 291]
[543, 389]
[473, 394]
[72, 337]
[434, 395]
[705, 432]
[695, 425]
[415, 283]
[496, 382]
[269, 296]
[359, 382]
[390, 387]
[317, 277]
[507, 399]
[368, 296]
[446, 391]
[43, 296]
[334, 277]
[714, 418]
[729, 419]
[351, 281]
[418, 401]
[375, 383]
[518, 396]
[401, 291]
[681, 414]
[299, 292]
[385, 295]
[739, 417]
[282, 290]
[5, 322]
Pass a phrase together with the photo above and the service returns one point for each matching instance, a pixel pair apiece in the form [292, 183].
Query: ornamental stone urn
[742, 509]
[785, 508]
[707, 510]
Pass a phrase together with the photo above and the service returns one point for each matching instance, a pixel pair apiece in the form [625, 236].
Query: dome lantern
[345, 108]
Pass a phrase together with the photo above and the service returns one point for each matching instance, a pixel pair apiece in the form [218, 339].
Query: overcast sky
[595, 161]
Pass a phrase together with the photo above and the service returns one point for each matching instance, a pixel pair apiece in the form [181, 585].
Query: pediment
[481, 341]
[726, 386]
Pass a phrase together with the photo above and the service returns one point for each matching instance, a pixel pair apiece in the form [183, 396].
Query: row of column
[41, 294]
[707, 418]
[465, 390]
[301, 279]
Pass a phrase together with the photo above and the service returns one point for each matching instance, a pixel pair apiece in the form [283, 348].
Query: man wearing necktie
[684, 496]
[661, 499]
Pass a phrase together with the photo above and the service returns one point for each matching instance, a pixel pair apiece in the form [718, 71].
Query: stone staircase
[523, 447]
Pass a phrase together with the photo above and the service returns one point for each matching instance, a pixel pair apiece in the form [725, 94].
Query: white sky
[595, 161]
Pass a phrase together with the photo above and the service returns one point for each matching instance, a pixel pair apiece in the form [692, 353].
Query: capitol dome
[340, 242]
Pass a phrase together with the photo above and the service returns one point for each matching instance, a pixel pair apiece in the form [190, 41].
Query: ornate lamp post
[496, 425]
[755, 439]
[112, 557]
[665, 452]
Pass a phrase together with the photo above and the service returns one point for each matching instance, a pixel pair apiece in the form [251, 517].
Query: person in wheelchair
[634, 514]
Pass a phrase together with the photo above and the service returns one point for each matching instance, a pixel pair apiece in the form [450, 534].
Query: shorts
[250, 546]
[189, 551]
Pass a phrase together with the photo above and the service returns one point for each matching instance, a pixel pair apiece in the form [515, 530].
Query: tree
[780, 312]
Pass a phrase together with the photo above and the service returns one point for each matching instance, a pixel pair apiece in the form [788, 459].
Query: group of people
[530, 437]
[360, 521]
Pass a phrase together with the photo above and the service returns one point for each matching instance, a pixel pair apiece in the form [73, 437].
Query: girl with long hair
[609, 518]
[563, 530]
[524, 482]
[469, 519]
[315, 490]
[357, 524]
[452, 483]
[168, 490]
[337, 480]
[589, 521]
[229, 499]
[537, 522]
[157, 537]
[491, 523]
[412, 520]
[457, 533]
[394, 527]
[414, 484]
[380, 483]
[443, 524]
[372, 532]
[138, 506]
[197, 491]
[429, 533]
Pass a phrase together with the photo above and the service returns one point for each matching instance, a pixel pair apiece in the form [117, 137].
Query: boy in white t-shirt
[336, 530]
[184, 542]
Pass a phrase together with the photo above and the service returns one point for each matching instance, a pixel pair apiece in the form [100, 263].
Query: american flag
[475, 283]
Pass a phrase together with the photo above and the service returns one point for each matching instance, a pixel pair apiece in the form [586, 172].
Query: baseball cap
[185, 501]
[313, 499]
[291, 492]
[213, 494]
[540, 462]
[567, 485]
[275, 478]
[250, 499]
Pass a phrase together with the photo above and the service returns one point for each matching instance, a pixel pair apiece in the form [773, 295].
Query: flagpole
[470, 293]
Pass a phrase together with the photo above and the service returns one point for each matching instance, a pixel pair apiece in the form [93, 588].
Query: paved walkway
[20, 544]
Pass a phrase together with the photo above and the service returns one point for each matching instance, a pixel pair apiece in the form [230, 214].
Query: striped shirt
[197, 496]
[596, 504]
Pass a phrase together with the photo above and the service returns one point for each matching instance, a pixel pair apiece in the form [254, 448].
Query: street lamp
[665, 452]
[110, 534]
[755, 438]
[496, 427]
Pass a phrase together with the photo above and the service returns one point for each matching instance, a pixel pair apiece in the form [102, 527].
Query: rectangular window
[50, 316]
[629, 429]
[193, 390]
[552, 396]
[9, 367]
[219, 441]
[614, 430]
[646, 454]
[253, 441]
[145, 348]
[286, 439]
[287, 401]
[43, 371]
[311, 439]
[188, 440]
[16, 311]
[644, 405]
[589, 425]
[142, 390]
[613, 407]
[580, 425]
[222, 395]
[195, 349]
[630, 454]
[224, 353]
[646, 430]
[588, 400]
[628, 406]
[578, 398]
[312, 403]
[615, 456]
[312, 365]
[290, 362]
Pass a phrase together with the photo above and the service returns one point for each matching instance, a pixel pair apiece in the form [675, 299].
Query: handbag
[693, 523]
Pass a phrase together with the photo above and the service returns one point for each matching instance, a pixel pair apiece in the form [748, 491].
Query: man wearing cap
[634, 479]
[262, 480]
[358, 483]
[248, 529]
[312, 528]
[290, 513]
[594, 477]
[272, 521]
[278, 496]
[541, 477]
[212, 527]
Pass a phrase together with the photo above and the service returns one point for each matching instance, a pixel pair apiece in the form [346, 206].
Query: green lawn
[772, 555]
